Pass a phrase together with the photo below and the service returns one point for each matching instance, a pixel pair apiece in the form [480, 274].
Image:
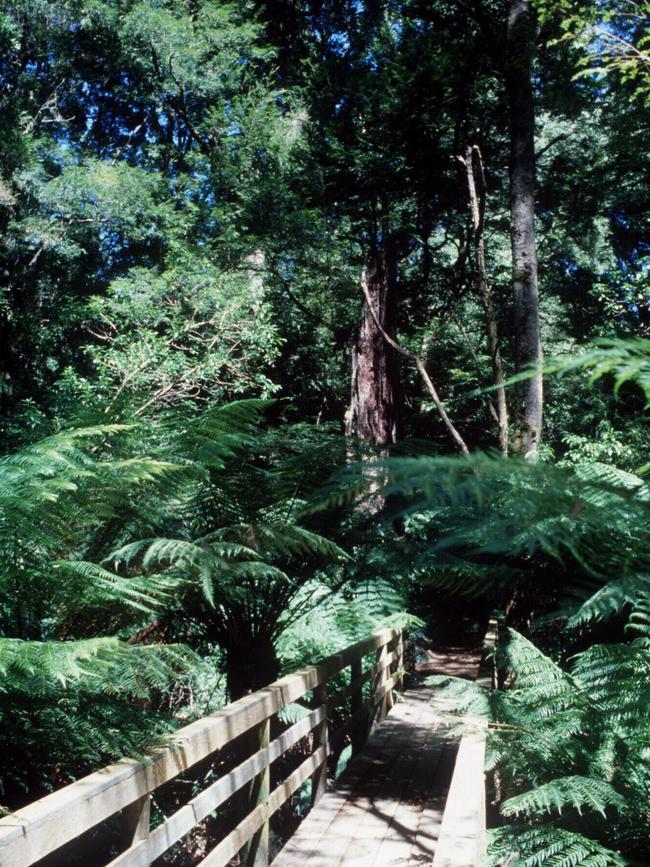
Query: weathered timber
[124, 787]
[389, 805]
[463, 838]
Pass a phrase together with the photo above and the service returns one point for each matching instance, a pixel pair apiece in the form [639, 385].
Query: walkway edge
[462, 840]
[463, 833]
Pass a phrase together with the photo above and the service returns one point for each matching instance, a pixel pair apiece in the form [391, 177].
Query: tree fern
[548, 847]
[231, 539]
[572, 791]
[61, 614]
[566, 744]
[625, 360]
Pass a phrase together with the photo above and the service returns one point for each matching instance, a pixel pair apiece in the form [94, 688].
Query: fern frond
[625, 360]
[629, 592]
[618, 677]
[574, 791]
[99, 665]
[144, 593]
[221, 432]
[547, 846]
[281, 540]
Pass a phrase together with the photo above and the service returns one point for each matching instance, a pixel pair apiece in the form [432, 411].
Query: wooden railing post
[388, 679]
[134, 822]
[360, 730]
[379, 703]
[400, 660]
[257, 850]
[321, 737]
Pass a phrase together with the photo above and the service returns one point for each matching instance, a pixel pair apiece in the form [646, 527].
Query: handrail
[124, 787]
[463, 834]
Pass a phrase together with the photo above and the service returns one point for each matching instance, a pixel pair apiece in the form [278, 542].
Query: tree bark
[375, 414]
[422, 370]
[528, 347]
[477, 200]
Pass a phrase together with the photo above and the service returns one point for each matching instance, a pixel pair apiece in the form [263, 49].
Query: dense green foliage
[190, 191]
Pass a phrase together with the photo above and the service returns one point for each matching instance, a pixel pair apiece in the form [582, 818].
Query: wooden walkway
[394, 805]
[387, 807]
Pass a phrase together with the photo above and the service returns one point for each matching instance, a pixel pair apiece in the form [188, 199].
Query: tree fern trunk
[251, 663]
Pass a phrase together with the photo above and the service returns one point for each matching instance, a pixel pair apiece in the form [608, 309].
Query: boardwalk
[386, 809]
[394, 805]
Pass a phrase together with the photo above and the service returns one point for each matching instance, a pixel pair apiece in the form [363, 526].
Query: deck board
[386, 808]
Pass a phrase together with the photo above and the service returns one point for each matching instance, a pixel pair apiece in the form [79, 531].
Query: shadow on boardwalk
[386, 808]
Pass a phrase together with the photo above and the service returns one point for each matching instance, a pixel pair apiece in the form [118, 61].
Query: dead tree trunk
[374, 414]
[477, 200]
[528, 347]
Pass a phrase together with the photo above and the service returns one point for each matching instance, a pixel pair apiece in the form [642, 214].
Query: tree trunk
[477, 202]
[528, 347]
[419, 363]
[250, 665]
[375, 406]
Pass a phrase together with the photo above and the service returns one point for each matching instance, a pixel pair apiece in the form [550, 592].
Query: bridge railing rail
[125, 787]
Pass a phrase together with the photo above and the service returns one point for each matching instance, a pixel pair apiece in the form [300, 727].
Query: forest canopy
[315, 316]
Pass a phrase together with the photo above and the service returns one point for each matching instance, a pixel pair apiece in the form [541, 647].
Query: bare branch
[473, 163]
[412, 356]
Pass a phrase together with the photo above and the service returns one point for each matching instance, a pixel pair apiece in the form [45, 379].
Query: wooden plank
[42, 827]
[462, 835]
[387, 838]
[328, 837]
[400, 661]
[316, 831]
[231, 844]
[182, 822]
[134, 822]
[379, 702]
[427, 745]
[352, 722]
[354, 688]
[487, 672]
[358, 734]
[384, 690]
[329, 830]
[373, 828]
[429, 823]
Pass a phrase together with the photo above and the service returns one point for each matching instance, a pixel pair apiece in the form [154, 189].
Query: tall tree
[528, 346]
[374, 414]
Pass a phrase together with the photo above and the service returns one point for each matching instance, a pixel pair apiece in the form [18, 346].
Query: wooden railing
[463, 833]
[125, 787]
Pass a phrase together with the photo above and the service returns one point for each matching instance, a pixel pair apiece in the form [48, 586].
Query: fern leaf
[575, 791]
[547, 846]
